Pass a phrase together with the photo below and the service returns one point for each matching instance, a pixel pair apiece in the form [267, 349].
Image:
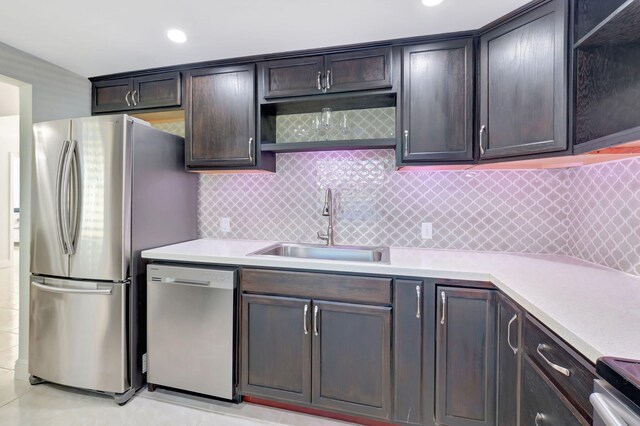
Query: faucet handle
[322, 236]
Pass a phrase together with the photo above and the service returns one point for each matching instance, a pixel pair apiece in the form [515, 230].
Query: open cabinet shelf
[335, 145]
[620, 27]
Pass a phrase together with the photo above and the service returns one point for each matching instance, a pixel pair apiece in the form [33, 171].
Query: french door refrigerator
[104, 188]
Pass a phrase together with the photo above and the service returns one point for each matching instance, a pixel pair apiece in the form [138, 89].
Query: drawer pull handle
[419, 299]
[304, 318]
[513, 348]
[444, 305]
[543, 347]
[319, 80]
[539, 418]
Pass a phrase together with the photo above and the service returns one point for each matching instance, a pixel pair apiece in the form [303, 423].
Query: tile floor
[47, 404]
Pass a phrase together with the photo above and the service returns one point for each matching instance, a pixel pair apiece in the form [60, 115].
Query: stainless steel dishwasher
[190, 329]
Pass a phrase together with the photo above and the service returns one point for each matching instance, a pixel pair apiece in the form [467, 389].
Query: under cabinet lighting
[430, 3]
[176, 36]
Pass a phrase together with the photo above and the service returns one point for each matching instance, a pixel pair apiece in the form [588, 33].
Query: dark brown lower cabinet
[542, 403]
[276, 347]
[509, 361]
[352, 358]
[327, 355]
[465, 357]
[409, 315]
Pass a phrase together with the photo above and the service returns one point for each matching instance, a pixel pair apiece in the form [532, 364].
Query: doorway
[9, 225]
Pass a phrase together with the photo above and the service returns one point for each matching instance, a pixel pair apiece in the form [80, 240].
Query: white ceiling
[97, 38]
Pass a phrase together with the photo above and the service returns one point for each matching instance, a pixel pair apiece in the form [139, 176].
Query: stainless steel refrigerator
[104, 189]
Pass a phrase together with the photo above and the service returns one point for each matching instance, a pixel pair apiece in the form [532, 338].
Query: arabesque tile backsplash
[592, 212]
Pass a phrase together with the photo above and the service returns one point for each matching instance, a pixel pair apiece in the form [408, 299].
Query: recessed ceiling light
[430, 3]
[178, 36]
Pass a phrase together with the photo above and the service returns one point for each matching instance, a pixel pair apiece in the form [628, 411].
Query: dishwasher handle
[194, 277]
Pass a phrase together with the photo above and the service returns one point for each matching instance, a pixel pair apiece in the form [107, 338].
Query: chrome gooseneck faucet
[327, 210]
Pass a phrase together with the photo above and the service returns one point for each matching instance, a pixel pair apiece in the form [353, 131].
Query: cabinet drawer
[548, 351]
[343, 288]
[542, 403]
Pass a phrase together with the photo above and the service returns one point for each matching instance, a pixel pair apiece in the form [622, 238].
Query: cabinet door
[292, 77]
[523, 84]
[157, 90]
[220, 117]
[276, 347]
[408, 315]
[437, 110]
[465, 357]
[112, 95]
[352, 358]
[361, 70]
[509, 362]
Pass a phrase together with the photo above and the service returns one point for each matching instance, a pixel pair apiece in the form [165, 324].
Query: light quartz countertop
[594, 308]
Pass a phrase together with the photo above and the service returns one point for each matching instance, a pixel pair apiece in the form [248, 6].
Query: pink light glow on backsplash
[525, 211]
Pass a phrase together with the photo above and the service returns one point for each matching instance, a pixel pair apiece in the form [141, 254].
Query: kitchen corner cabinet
[151, 91]
[220, 120]
[523, 84]
[465, 357]
[509, 362]
[437, 103]
[314, 75]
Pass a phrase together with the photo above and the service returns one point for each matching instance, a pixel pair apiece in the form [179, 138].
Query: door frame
[12, 169]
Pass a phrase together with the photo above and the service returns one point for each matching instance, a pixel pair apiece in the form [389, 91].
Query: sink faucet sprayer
[327, 210]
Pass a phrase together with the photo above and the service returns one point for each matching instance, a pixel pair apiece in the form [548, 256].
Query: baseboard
[22, 369]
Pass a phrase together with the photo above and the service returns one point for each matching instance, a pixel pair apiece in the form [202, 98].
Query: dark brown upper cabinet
[607, 83]
[137, 93]
[510, 353]
[437, 103]
[220, 120]
[523, 84]
[465, 357]
[335, 73]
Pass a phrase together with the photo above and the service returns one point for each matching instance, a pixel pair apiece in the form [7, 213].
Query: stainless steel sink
[324, 252]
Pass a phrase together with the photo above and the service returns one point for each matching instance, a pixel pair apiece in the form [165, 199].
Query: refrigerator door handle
[65, 207]
[59, 197]
[75, 199]
[62, 290]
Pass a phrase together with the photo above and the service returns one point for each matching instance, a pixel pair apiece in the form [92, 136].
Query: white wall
[9, 143]
[47, 92]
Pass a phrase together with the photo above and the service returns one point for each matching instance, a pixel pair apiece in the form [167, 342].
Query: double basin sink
[325, 252]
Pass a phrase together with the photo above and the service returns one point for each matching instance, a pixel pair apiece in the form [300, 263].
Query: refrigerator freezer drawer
[77, 333]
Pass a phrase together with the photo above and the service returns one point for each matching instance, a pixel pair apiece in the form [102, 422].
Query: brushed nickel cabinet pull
[419, 299]
[483, 135]
[538, 419]
[304, 318]
[562, 370]
[126, 98]
[406, 143]
[514, 349]
[444, 305]
[251, 150]
[328, 79]
[133, 97]
[319, 80]
[315, 320]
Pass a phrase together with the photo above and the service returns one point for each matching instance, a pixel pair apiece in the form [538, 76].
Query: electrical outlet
[427, 231]
[225, 224]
